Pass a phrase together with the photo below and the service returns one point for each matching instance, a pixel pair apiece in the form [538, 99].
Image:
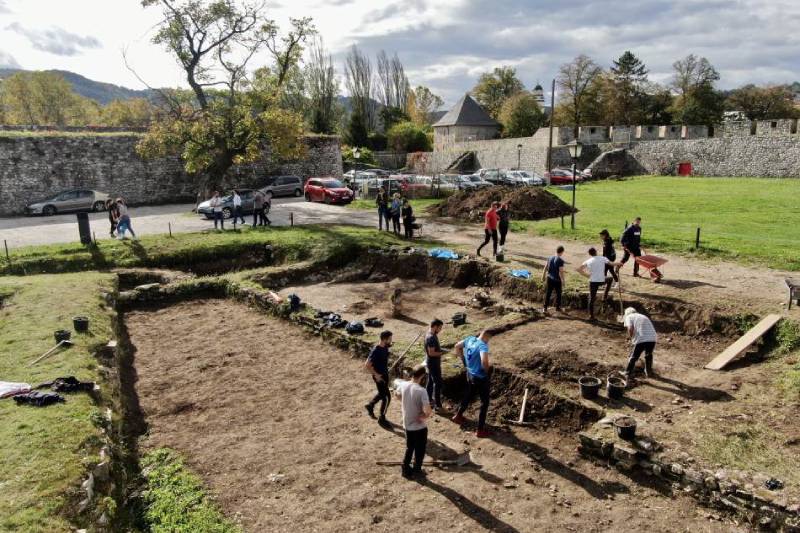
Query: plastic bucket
[62, 335]
[615, 387]
[626, 427]
[80, 323]
[590, 387]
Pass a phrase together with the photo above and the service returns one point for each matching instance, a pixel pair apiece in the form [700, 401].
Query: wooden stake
[697, 240]
[169, 224]
[8, 257]
[524, 405]
[291, 219]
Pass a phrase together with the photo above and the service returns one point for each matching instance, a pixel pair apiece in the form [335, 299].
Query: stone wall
[765, 156]
[36, 166]
[498, 153]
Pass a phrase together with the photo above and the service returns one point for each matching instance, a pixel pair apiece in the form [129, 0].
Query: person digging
[378, 366]
[416, 410]
[594, 268]
[643, 338]
[553, 278]
[631, 241]
[474, 353]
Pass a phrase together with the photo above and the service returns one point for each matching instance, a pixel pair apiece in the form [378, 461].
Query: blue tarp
[442, 253]
[524, 274]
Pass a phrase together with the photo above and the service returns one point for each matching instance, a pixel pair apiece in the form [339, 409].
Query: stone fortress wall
[769, 148]
[35, 166]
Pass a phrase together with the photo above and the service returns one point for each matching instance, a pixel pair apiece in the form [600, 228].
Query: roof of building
[466, 112]
[538, 87]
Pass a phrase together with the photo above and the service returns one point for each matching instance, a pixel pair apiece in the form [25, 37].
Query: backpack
[355, 328]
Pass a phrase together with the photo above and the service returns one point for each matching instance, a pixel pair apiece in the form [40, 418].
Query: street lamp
[575, 149]
[519, 155]
[356, 156]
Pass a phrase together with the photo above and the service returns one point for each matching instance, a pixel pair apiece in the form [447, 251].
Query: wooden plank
[743, 343]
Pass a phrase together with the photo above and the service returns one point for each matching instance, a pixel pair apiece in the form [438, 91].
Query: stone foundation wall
[36, 166]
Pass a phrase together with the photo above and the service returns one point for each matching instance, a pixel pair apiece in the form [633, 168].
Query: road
[26, 231]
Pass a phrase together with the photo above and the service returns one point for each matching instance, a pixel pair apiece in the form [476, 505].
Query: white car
[523, 177]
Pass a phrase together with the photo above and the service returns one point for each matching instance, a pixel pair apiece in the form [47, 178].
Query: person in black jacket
[382, 201]
[408, 219]
[611, 254]
[631, 242]
[505, 217]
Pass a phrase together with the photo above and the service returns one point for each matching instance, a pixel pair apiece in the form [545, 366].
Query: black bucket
[626, 427]
[62, 335]
[80, 323]
[615, 387]
[590, 387]
[459, 319]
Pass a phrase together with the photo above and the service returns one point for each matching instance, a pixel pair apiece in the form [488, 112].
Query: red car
[561, 176]
[328, 190]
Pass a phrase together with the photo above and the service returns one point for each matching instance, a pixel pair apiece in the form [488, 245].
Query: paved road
[26, 231]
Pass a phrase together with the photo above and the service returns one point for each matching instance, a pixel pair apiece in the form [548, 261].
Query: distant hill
[96, 90]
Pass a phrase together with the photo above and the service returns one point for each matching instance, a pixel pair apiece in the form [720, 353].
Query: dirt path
[272, 419]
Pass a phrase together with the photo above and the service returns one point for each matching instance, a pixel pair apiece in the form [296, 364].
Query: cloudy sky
[444, 44]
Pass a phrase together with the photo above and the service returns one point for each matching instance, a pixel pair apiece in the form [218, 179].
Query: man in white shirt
[643, 337]
[416, 411]
[216, 206]
[237, 208]
[594, 268]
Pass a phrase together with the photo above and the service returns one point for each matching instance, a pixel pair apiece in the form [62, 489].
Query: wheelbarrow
[651, 264]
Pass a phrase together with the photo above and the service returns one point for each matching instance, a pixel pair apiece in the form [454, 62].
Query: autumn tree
[763, 103]
[578, 81]
[358, 80]
[408, 137]
[697, 101]
[45, 99]
[323, 89]
[521, 115]
[224, 121]
[422, 103]
[494, 88]
[134, 112]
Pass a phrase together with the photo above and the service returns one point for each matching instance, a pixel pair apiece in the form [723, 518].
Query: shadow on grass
[702, 394]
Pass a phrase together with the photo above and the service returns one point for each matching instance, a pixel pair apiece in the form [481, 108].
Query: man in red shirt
[490, 228]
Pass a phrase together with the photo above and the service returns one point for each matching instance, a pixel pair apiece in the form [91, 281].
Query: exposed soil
[525, 203]
[245, 396]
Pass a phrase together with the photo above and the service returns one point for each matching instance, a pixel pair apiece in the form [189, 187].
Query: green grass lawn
[45, 450]
[755, 220]
[419, 205]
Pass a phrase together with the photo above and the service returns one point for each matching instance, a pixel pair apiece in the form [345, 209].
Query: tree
[223, 120]
[698, 102]
[357, 133]
[391, 116]
[626, 80]
[408, 137]
[493, 88]
[521, 115]
[421, 104]
[578, 81]
[44, 99]
[656, 104]
[358, 80]
[323, 88]
[135, 112]
[762, 103]
[392, 87]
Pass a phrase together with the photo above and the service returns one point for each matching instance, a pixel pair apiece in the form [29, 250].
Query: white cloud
[8, 61]
[55, 40]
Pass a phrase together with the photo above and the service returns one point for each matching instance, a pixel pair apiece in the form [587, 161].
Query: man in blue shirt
[553, 277]
[474, 352]
[378, 365]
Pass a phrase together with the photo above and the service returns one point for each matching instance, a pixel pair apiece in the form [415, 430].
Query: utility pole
[552, 112]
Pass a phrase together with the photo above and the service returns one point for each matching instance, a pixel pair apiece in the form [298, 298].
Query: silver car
[68, 202]
[283, 186]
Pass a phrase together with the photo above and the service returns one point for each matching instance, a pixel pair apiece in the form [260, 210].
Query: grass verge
[186, 249]
[45, 451]
[419, 205]
[753, 220]
[176, 498]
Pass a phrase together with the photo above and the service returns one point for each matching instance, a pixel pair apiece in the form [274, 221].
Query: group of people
[602, 270]
[392, 208]
[119, 219]
[262, 203]
[421, 396]
[496, 219]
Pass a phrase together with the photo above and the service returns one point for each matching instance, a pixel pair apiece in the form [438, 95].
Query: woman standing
[408, 219]
[505, 217]
[395, 211]
[113, 215]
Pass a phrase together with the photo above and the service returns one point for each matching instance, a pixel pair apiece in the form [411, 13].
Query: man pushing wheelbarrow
[631, 241]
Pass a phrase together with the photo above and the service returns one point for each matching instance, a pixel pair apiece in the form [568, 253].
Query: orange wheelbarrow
[651, 264]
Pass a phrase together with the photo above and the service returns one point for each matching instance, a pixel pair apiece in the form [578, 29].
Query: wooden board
[744, 342]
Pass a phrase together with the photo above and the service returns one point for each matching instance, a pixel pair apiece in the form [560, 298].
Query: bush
[377, 141]
[367, 157]
[408, 137]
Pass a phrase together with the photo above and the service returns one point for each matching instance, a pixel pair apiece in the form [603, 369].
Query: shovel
[403, 355]
[462, 460]
[65, 342]
[521, 420]
[621, 315]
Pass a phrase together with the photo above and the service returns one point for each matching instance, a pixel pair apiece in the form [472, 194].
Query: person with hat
[643, 338]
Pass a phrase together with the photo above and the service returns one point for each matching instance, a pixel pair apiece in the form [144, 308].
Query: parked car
[464, 183]
[247, 196]
[328, 190]
[444, 182]
[73, 200]
[478, 182]
[523, 177]
[283, 186]
[561, 176]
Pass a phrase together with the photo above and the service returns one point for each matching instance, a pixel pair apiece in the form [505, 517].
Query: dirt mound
[526, 203]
